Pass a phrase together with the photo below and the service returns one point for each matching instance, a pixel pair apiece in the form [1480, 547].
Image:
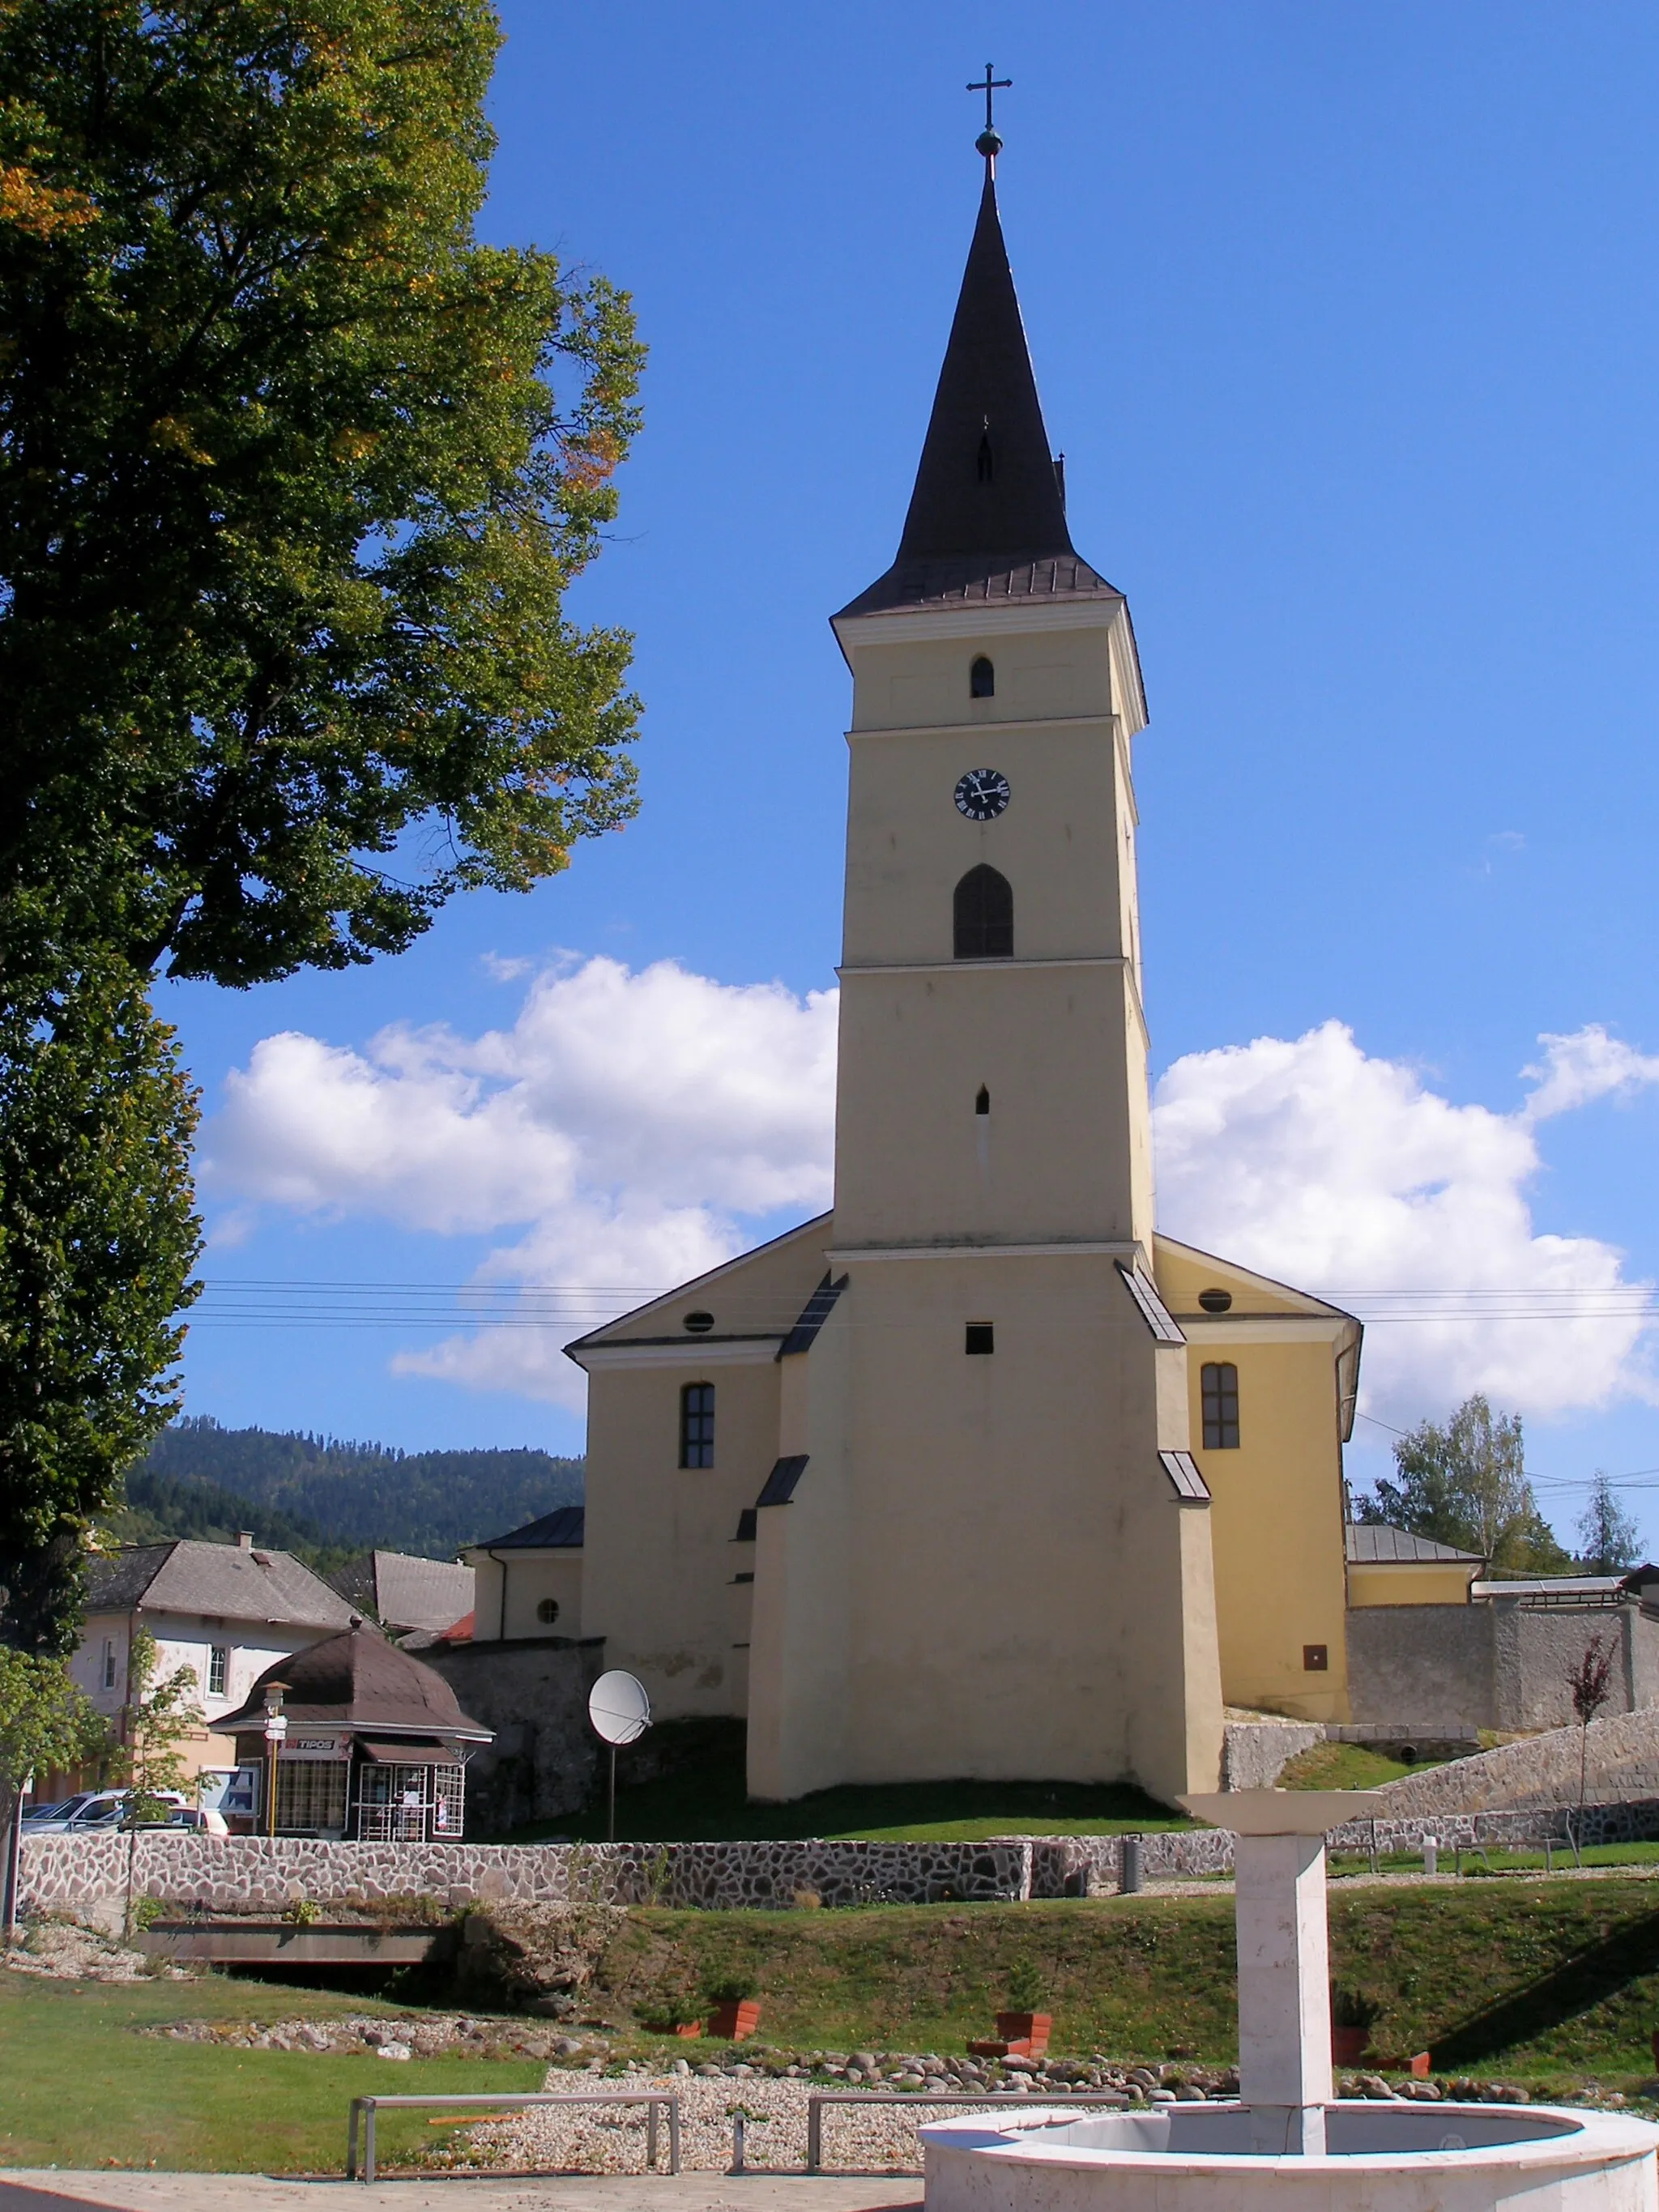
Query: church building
[976, 1474]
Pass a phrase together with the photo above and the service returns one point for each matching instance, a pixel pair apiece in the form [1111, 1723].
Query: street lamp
[276, 1730]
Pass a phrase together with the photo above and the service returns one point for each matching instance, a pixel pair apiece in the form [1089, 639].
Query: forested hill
[345, 1494]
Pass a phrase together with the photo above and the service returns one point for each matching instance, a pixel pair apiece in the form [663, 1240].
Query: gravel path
[874, 2139]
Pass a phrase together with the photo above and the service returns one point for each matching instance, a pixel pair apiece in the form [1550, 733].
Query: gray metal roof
[1374, 1544]
[221, 1580]
[780, 1485]
[1153, 1311]
[813, 1315]
[416, 1593]
[986, 519]
[559, 1531]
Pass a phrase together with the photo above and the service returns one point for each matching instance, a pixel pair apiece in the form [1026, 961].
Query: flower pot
[1349, 2044]
[1025, 2033]
[734, 2018]
[686, 2027]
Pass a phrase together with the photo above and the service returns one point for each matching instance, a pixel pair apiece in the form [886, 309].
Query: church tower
[997, 1562]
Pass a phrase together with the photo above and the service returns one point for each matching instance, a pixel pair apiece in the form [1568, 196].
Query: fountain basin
[1380, 2157]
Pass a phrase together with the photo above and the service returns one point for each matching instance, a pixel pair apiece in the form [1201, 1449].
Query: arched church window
[987, 467]
[697, 1424]
[983, 1103]
[983, 914]
[982, 679]
[1219, 1383]
[547, 1611]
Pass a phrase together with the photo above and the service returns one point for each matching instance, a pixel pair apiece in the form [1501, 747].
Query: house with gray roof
[403, 1591]
[227, 1611]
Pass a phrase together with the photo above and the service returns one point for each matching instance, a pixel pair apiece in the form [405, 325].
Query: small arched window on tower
[1218, 1379]
[982, 679]
[983, 914]
[986, 464]
[697, 1424]
[983, 1103]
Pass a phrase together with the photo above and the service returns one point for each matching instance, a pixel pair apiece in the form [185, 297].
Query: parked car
[205, 1821]
[96, 1810]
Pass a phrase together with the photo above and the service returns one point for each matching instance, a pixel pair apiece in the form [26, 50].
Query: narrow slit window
[109, 1663]
[982, 1337]
[982, 679]
[987, 463]
[1219, 1379]
[697, 1424]
[983, 1103]
[983, 915]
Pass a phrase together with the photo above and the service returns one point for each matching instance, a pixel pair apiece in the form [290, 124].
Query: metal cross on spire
[989, 142]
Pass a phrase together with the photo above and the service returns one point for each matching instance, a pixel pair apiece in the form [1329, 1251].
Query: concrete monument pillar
[1284, 1961]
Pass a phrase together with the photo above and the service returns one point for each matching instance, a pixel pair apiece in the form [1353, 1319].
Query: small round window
[1215, 1301]
[700, 1323]
[548, 1612]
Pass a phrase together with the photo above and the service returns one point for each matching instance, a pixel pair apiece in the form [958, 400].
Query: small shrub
[1024, 1986]
[146, 1912]
[302, 1911]
[727, 1988]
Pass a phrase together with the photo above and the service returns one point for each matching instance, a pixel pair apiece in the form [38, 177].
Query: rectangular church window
[1219, 1379]
[982, 1337]
[697, 1424]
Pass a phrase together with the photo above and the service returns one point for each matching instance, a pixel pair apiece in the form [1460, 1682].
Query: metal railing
[363, 2110]
[924, 2101]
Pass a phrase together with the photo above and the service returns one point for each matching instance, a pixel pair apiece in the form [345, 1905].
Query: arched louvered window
[1218, 1379]
[982, 679]
[984, 916]
[697, 1424]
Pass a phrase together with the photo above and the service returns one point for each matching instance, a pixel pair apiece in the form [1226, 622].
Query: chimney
[245, 1539]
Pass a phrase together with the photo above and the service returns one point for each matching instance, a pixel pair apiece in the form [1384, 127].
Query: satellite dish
[618, 1707]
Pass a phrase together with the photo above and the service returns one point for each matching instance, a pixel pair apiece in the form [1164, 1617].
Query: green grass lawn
[705, 1799]
[1346, 1766]
[1542, 1982]
[1550, 1983]
[82, 2089]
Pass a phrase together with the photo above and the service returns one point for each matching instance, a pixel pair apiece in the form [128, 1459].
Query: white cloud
[630, 1130]
[1313, 1163]
[1582, 1067]
[628, 1122]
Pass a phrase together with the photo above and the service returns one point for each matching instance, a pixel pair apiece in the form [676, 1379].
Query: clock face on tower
[983, 793]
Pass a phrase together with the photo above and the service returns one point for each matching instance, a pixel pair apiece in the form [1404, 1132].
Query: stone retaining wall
[1621, 1765]
[87, 1878]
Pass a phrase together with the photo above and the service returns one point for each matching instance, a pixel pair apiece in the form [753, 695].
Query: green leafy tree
[97, 1241]
[161, 1713]
[1466, 1485]
[47, 1723]
[1611, 1542]
[293, 476]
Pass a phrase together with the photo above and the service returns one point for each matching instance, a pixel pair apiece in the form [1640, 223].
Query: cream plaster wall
[187, 1640]
[659, 1555]
[1024, 1596]
[1410, 1582]
[530, 1577]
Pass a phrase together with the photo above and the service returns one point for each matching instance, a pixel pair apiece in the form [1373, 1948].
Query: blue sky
[1345, 320]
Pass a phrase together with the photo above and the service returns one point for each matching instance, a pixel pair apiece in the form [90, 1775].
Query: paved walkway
[53, 2190]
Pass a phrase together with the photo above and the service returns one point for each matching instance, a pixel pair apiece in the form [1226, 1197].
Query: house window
[982, 679]
[218, 1679]
[697, 1424]
[1219, 1379]
[547, 1611]
[109, 1663]
[983, 915]
[982, 1337]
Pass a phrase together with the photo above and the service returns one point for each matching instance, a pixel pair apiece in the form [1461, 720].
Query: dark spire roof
[988, 516]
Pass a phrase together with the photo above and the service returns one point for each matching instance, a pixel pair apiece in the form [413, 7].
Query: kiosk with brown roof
[376, 1746]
